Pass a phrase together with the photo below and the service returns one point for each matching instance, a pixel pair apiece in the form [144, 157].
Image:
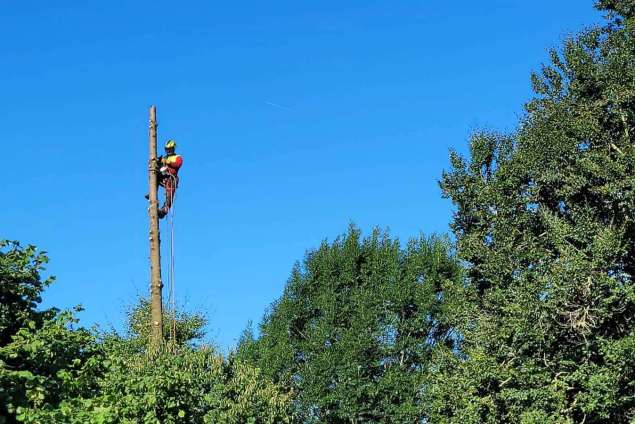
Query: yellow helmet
[170, 144]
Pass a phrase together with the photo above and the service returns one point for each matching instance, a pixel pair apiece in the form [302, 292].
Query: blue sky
[293, 118]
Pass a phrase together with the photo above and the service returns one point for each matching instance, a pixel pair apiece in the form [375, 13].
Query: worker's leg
[169, 184]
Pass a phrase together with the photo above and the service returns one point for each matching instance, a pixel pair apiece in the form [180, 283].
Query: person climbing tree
[168, 177]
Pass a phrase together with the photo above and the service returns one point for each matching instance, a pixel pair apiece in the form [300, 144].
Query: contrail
[279, 106]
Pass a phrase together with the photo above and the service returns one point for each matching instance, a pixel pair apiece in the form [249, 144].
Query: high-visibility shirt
[172, 163]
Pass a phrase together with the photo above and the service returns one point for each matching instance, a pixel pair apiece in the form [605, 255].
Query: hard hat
[170, 144]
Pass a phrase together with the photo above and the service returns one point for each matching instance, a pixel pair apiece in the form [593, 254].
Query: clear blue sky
[294, 119]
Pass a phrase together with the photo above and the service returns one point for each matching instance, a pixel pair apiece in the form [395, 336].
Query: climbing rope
[171, 286]
[172, 297]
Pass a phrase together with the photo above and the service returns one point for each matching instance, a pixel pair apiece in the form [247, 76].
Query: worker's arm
[175, 162]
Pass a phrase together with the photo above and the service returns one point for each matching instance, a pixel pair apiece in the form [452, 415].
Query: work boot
[147, 196]
[162, 212]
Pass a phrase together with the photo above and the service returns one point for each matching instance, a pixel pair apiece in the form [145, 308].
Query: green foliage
[545, 226]
[183, 386]
[43, 359]
[352, 334]
[189, 385]
[248, 397]
[181, 329]
[52, 372]
[20, 288]
[619, 9]
[182, 383]
[42, 366]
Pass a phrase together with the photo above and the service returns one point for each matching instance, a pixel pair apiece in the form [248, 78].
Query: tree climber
[168, 177]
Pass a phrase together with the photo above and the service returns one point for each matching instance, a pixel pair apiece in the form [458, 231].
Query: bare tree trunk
[156, 301]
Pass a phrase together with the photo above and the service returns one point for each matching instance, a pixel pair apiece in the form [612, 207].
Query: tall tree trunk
[156, 301]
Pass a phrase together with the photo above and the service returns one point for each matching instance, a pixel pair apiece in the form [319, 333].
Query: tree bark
[156, 285]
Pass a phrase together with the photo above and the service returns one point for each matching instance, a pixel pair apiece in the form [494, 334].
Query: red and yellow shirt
[172, 163]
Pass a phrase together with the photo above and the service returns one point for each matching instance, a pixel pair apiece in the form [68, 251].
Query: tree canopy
[544, 224]
[51, 371]
[353, 332]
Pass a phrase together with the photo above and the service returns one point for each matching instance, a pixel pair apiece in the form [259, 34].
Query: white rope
[171, 296]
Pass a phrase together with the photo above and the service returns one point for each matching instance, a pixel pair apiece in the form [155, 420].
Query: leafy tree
[21, 288]
[43, 359]
[182, 383]
[51, 371]
[182, 328]
[351, 335]
[248, 397]
[545, 223]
